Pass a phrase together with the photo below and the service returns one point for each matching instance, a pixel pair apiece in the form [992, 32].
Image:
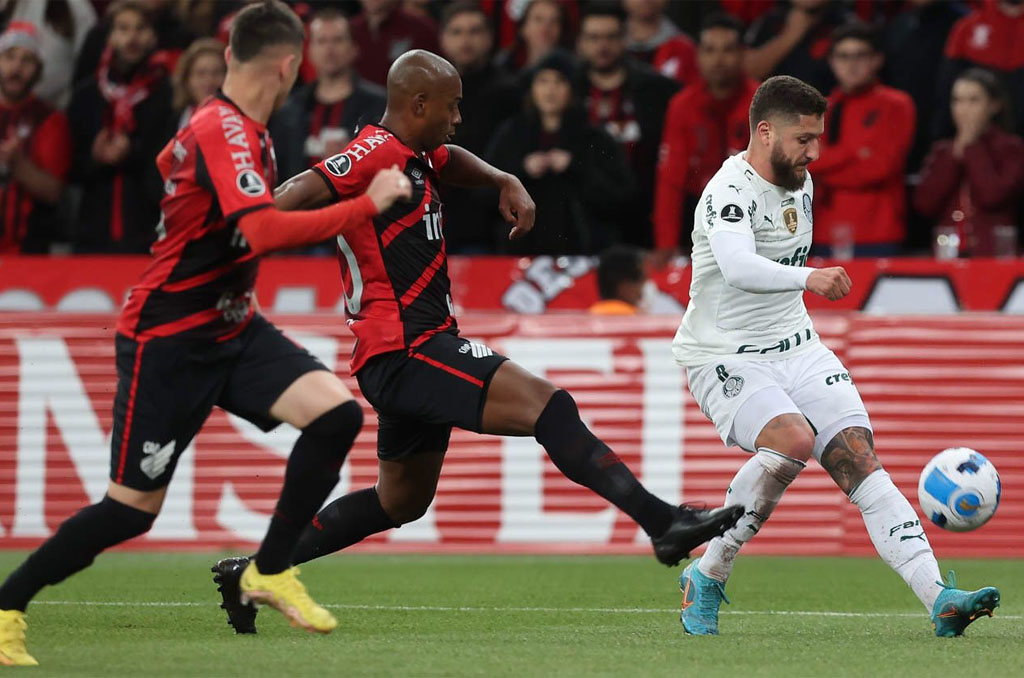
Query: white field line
[582, 610]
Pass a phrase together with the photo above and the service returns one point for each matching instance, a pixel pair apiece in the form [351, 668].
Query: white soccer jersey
[722, 320]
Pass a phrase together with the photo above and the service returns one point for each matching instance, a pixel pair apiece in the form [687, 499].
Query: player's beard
[785, 171]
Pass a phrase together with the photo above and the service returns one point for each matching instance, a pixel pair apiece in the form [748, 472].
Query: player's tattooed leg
[850, 457]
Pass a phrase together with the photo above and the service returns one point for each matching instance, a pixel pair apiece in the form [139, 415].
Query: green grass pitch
[409, 615]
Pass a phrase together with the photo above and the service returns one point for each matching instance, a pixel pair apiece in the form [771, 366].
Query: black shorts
[167, 387]
[420, 394]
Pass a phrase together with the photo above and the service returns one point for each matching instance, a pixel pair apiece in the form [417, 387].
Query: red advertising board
[522, 285]
[929, 383]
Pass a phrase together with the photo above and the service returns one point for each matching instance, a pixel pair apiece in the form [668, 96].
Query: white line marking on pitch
[448, 608]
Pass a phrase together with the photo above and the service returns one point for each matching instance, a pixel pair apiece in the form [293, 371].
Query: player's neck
[254, 98]
[762, 164]
[401, 131]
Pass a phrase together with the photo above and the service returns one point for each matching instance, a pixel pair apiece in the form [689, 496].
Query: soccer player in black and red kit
[411, 364]
[189, 338]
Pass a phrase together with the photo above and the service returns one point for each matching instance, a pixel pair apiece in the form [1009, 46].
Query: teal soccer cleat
[955, 609]
[702, 596]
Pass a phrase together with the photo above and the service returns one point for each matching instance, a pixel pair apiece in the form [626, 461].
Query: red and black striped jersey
[394, 268]
[219, 167]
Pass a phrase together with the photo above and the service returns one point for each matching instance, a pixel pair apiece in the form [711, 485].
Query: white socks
[757, 486]
[898, 536]
[891, 522]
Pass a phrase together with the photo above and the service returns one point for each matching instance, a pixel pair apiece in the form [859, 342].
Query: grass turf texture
[470, 615]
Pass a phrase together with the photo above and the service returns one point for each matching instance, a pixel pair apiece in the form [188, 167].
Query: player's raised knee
[340, 423]
[788, 434]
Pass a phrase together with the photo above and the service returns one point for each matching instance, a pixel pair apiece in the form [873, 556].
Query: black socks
[341, 523]
[311, 474]
[72, 548]
[589, 462]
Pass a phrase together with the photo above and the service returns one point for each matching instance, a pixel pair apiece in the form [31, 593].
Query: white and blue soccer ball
[959, 489]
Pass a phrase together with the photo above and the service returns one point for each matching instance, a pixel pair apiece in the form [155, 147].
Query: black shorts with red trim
[420, 394]
[167, 387]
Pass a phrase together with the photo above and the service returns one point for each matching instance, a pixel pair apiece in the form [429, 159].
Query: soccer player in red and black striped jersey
[189, 339]
[411, 364]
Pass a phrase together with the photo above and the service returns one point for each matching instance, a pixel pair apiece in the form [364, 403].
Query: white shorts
[740, 397]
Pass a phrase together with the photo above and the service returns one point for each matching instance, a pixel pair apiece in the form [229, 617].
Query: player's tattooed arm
[302, 192]
[850, 457]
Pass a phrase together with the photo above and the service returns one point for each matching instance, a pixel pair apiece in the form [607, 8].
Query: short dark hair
[995, 90]
[857, 30]
[606, 8]
[722, 20]
[122, 6]
[787, 96]
[460, 7]
[617, 264]
[264, 24]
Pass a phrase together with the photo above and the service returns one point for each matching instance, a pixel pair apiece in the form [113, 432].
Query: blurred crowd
[613, 114]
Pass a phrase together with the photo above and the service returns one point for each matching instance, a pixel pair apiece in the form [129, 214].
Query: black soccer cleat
[691, 528]
[227, 574]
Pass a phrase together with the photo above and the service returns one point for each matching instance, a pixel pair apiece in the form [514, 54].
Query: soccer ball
[959, 489]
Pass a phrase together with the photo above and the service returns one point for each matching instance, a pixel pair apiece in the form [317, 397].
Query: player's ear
[419, 104]
[764, 132]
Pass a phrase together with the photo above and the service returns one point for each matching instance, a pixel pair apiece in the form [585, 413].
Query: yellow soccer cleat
[12, 639]
[286, 593]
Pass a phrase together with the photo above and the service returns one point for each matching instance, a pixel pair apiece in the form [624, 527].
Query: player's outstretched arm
[744, 269]
[271, 229]
[304, 191]
[469, 171]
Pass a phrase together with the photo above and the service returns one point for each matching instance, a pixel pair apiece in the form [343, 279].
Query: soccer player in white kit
[759, 372]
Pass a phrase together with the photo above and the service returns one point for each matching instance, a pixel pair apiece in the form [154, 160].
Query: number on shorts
[354, 302]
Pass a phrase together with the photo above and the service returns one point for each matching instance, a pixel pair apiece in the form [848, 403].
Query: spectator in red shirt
[322, 117]
[705, 124]
[628, 99]
[198, 75]
[654, 39]
[385, 31]
[35, 147]
[120, 119]
[860, 194]
[973, 182]
[992, 37]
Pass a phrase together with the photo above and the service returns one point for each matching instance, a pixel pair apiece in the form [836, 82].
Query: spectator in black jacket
[628, 99]
[120, 119]
[320, 118]
[488, 98]
[573, 170]
[794, 38]
[914, 44]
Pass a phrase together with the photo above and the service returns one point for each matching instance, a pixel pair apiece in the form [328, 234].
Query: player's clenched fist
[388, 186]
[831, 283]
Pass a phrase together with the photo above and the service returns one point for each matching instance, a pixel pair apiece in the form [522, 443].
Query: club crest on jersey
[732, 213]
[807, 209]
[790, 219]
[338, 165]
[250, 183]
